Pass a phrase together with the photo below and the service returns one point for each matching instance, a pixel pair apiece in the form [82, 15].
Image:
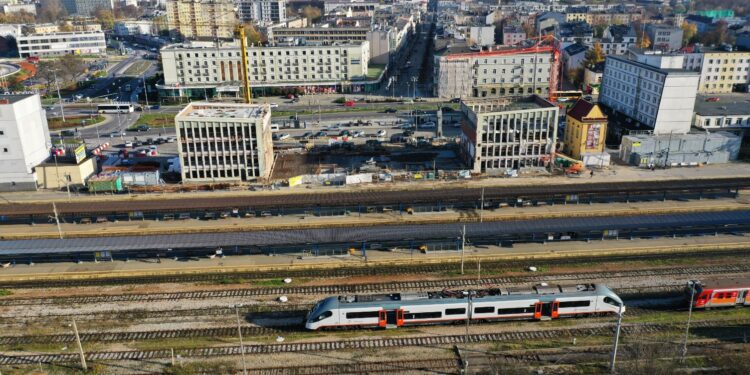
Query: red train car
[719, 292]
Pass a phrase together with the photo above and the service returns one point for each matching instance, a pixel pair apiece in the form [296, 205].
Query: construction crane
[240, 29]
[540, 44]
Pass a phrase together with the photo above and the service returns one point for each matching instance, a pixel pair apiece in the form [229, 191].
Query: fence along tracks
[424, 341]
[374, 288]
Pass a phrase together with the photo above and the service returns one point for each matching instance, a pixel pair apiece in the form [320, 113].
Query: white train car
[542, 302]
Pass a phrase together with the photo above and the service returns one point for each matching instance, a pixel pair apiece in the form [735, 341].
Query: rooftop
[507, 104]
[728, 104]
[14, 98]
[672, 72]
[222, 110]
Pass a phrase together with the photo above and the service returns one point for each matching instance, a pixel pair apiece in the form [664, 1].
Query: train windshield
[321, 316]
[314, 309]
[612, 301]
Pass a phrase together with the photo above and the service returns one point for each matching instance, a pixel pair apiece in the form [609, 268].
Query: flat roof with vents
[198, 110]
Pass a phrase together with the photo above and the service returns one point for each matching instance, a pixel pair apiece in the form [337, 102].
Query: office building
[224, 142]
[585, 133]
[201, 69]
[86, 7]
[652, 91]
[134, 27]
[506, 136]
[262, 11]
[24, 141]
[201, 19]
[721, 71]
[461, 72]
[616, 39]
[62, 43]
[664, 37]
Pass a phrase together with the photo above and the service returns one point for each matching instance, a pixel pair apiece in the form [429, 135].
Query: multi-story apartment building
[721, 71]
[86, 7]
[202, 69]
[24, 141]
[729, 112]
[664, 37]
[505, 135]
[577, 14]
[224, 142]
[460, 72]
[201, 19]
[654, 91]
[513, 35]
[62, 43]
[616, 39]
[575, 32]
[41, 28]
[262, 11]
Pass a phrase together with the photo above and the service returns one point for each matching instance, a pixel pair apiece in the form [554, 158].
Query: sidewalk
[150, 227]
[615, 173]
[248, 263]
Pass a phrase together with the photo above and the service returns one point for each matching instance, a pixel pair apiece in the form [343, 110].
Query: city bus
[116, 108]
[566, 96]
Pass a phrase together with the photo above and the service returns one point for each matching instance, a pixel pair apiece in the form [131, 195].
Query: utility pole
[617, 341]
[463, 248]
[59, 97]
[479, 269]
[690, 316]
[481, 209]
[239, 333]
[57, 220]
[145, 90]
[468, 315]
[80, 347]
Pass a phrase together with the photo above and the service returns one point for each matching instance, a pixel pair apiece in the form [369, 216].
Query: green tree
[594, 55]
[689, 31]
[105, 17]
[311, 13]
[51, 11]
[254, 37]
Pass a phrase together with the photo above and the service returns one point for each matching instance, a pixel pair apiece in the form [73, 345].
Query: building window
[5, 149]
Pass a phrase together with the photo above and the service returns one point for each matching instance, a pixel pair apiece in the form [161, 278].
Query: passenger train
[719, 292]
[542, 302]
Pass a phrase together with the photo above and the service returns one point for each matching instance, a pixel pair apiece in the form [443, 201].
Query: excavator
[572, 167]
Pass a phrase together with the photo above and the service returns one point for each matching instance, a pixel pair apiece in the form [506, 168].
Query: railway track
[375, 287]
[322, 346]
[488, 266]
[438, 365]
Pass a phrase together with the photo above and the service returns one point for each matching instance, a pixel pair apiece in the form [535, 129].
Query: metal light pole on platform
[617, 341]
[80, 347]
[59, 97]
[463, 247]
[690, 316]
[239, 333]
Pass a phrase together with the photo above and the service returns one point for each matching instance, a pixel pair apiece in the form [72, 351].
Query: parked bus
[116, 108]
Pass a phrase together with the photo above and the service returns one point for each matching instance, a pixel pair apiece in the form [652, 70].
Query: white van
[274, 127]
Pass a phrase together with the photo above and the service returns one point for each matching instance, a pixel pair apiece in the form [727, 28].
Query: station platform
[613, 173]
[152, 227]
[373, 258]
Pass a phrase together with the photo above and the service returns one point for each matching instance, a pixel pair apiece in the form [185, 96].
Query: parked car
[381, 133]
[68, 133]
[321, 134]
[141, 128]
[306, 135]
[447, 109]
[344, 133]
[171, 139]
[390, 110]
[116, 134]
[284, 136]
[128, 143]
[274, 105]
[428, 125]
[456, 100]
[358, 133]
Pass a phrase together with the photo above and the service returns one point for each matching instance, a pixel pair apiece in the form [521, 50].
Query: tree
[46, 70]
[575, 76]
[64, 26]
[311, 13]
[599, 30]
[594, 55]
[70, 67]
[718, 35]
[128, 11]
[689, 31]
[23, 17]
[105, 17]
[51, 11]
[254, 37]
[645, 41]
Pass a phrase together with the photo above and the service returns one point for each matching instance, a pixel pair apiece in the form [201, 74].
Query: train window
[323, 315]
[455, 311]
[484, 310]
[514, 310]
[424, 315]
[575, 304]
[610, 301]
[362, 314]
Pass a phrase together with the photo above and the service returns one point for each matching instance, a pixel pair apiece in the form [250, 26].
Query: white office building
[655, 91]
[24, 141]
[134, 27]
[224, 142]
[262, 11]
[62, 43]
[202, 66]
[461, 72]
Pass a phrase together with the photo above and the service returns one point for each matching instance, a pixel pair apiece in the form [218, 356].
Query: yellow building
[724, 72]
[196, 19]
[51, 175]
[585, 131]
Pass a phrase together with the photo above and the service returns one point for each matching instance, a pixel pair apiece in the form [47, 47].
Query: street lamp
[59, 97]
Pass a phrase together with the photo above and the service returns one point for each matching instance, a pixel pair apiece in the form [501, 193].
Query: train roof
[725, 283]
[491, 294]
